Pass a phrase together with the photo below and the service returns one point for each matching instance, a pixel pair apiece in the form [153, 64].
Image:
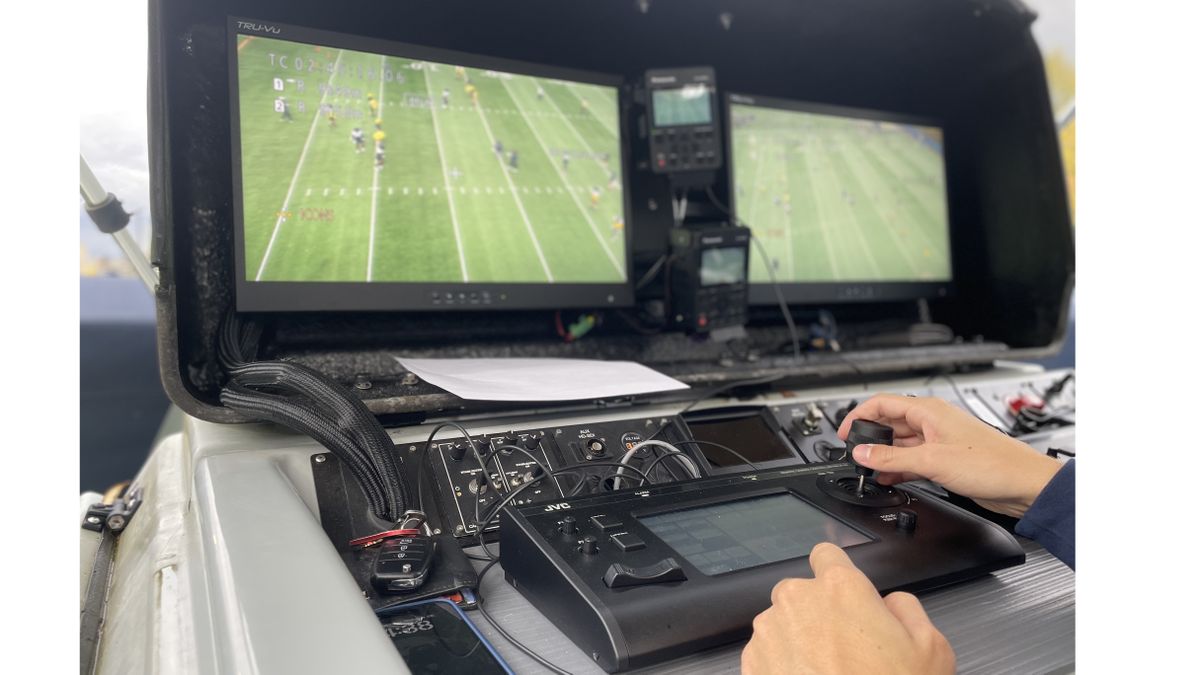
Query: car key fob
[402, 563]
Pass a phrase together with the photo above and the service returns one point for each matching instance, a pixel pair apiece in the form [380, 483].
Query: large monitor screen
[374, 175]
[747, 533]
[849, 204]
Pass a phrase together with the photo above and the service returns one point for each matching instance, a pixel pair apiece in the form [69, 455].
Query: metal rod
[94, 194]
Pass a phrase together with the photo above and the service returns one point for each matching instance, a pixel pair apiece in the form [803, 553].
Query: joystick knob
[865, 432]
[589, 545]
[568, 526]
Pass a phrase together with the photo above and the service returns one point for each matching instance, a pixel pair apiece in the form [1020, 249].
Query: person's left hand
[837, 623]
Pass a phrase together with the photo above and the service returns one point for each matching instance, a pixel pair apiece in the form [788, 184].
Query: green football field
[444, 205]
[839, 199]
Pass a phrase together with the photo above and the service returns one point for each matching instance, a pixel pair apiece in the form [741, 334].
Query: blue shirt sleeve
[1051, 520]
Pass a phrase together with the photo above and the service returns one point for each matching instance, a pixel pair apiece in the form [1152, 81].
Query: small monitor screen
[838, 195]
[748, 435]
[390, 164]
[722, 266]
[691, 104]
[749, 532]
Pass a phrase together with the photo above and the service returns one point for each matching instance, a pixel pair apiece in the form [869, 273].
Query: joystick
[863, 432]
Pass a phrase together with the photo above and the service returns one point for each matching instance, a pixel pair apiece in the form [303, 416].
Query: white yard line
[862, 167]
[864, 248]
[437, 133]
[787, 217]
[571, 124]
[753, 221]
[516, 198]
[594, 115]
[375, 183]
[821, 216]
[262, 266]
[574, 197]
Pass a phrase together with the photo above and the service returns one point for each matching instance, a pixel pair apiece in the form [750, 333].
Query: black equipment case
[971, 63]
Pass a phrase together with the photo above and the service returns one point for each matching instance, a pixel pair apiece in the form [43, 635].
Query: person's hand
[949, 446]
[837, 623]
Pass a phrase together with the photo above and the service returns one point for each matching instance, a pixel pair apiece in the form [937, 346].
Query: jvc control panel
[646, 574]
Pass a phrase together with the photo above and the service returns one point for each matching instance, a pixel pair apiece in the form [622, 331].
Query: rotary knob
[568, 525]
[589, 545]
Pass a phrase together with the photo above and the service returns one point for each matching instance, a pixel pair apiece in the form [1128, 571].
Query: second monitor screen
[365, 167]
[838, 197]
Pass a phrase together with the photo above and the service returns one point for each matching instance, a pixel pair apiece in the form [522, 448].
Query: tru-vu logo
[258, 27]
[557, 507]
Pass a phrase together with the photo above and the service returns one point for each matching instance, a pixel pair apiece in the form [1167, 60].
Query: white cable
[687, 461]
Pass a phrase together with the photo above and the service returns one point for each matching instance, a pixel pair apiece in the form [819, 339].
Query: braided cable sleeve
[351, 414]
[299, 418]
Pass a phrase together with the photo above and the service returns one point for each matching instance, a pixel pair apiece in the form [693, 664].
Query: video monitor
[850, 204]
[373, 175]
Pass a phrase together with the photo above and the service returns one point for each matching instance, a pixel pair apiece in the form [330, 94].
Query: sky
[112, 121]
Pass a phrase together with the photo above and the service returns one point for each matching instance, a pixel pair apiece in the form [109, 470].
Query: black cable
[545, 469]
[486, 480]
[679, 456]
[495, 509]
[713, 391]
[483, 545]
[650, 273]
[726, 448]
[503, 633]
[666, 467]
[783, 306]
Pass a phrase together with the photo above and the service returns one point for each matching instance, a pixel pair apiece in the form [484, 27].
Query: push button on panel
[628, 542]
[606, 523]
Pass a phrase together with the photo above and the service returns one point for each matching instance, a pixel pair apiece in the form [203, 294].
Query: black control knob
[589, 545]
[509, 439]
[866, 432]
[828, 451]
[458, 452]
[841, 413]
[568, 525]
[531, 443]
[906, 520]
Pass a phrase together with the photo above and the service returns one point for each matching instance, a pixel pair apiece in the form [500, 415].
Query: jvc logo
[258, 27]
[557, 507]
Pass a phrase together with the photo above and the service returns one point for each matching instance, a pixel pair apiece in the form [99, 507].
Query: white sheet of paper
[539, 379]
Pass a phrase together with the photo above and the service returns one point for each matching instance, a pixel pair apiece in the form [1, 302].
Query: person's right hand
[949, 446]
